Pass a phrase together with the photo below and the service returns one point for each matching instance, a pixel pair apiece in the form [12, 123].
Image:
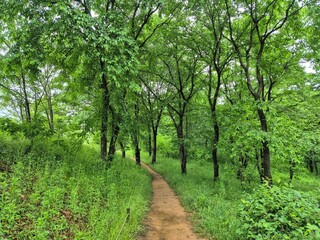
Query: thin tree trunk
[155, 126]
[113, 140]
[259, 164]
[182, 148]
[104, 111]
[123, 149]
[26, 100]
[114, 136]
[265, 149]
[243, 163]
[215, 152]
[137, 152]
[213, 104]
[154, 146]
[136, 136]
[149, 140]
[311, 165]
[51, 115]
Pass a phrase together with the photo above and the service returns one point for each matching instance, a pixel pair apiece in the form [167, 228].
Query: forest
[220, 97]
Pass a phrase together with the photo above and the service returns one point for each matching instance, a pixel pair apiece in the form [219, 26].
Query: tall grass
[212, 204]
[56, 192]
[215, 205]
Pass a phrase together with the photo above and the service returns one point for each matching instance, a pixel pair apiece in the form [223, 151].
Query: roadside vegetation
[226, 92]
[64, 191]
[231, 209]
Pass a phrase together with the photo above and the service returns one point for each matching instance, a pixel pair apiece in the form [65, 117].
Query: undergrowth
[212, 204]
[65, 192]
[217, 207]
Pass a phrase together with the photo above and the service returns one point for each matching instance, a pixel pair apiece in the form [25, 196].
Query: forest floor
[167, 219]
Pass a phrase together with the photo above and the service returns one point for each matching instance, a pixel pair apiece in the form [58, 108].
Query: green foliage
[279, 213]
[213, 204]
[166, 146]
[71, 196]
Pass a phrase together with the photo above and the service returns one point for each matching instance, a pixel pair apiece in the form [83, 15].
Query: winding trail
[167, 219]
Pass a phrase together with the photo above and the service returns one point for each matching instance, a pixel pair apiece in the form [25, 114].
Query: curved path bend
[167, 219]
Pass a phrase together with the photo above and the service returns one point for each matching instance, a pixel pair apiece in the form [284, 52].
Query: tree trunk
[123, 149]
[213, 104]
[155, 126]
[137, 152]
[114, 137]
[266, 173]
[259, 164]
[136, 136]
[26, 100]
[154, 146]
[51, 121]
[243, 163]
[182, 148]
[104, 111]
[51, 115]
[112, 145]
[311, 164]
[149, 140]
[215, 152]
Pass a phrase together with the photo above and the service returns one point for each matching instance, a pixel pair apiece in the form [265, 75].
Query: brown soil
[167, 220]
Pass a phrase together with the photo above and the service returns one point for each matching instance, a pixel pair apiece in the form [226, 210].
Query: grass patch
[216, 205]
[72, 197]
[212, 204]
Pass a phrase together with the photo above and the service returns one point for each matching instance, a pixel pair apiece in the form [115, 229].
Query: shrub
[280, 213]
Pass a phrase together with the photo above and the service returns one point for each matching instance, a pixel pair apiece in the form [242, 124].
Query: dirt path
[167, 220]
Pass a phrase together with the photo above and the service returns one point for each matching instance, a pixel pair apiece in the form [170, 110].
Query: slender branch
[146, 19]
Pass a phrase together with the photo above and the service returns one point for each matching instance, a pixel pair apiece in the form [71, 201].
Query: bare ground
[167, 219]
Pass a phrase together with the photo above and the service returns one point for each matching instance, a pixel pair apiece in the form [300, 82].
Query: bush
[280, 213]
[167, 146]
[60, 190]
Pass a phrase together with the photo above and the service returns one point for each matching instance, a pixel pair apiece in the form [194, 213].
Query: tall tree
[216, 52]
[251, 26]
[182, 67]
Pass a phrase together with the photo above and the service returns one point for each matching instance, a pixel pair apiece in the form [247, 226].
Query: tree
[250, 35]
[182, 69]
[216, 52]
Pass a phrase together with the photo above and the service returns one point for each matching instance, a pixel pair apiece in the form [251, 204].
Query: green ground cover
[65, 192]
[220, 209]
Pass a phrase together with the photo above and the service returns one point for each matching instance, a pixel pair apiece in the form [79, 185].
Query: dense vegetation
[232, 84]
[65, 192]
[231, 209]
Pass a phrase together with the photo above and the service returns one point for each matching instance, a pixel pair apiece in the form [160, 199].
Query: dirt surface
[167, 219]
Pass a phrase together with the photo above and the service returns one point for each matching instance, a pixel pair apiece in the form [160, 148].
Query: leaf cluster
[280, 213]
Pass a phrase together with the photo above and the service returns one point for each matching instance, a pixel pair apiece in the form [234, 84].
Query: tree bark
[136, 136]
[266, 173]
[104, 111]
[215, 152]
[123, 149]
[26, 99]
[137, 152]
[155, 125]
[311, 165]
[114, 136]
[51, 119]
[112, 145]
[149, 140]
[213, 107]
[182, 148]
[154, 146]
